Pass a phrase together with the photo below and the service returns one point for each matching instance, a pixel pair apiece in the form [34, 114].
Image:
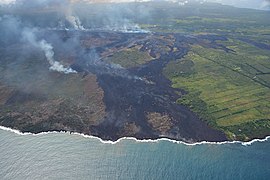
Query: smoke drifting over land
[40, 25]
[258, 4]
[52, 30]
[80, 15]
[75, 21]
[29, 36]
[76, 17]
[55, 53]
[55, 65]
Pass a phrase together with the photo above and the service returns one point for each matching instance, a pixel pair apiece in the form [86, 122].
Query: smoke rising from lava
[82, 15]
[75, 22]
[29, 36]
[55, 65]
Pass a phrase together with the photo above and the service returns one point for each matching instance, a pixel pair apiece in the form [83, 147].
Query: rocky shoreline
[135, 102]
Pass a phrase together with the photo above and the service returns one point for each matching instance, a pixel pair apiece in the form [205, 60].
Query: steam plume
[75, 22]
[47, 48]
[55, 65]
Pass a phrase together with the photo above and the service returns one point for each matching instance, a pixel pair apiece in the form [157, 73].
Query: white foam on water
[135, 139]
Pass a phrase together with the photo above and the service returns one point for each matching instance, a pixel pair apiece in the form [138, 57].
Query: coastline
[248, 143]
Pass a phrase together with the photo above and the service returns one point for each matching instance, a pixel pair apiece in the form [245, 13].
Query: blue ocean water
[65, 156]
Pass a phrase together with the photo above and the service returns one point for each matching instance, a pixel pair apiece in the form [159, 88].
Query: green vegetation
[179, 67]
[130, 58]
[228, 90]
[210, 18]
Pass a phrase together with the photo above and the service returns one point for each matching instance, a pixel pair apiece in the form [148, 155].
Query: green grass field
[129, 58]
[225, 88]
[228, 90]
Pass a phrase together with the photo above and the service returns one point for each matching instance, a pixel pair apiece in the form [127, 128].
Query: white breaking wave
[136, 140]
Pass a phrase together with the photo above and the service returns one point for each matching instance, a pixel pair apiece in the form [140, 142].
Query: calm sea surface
[65, 156]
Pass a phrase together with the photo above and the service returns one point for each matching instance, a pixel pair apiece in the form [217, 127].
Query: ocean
[72, 156]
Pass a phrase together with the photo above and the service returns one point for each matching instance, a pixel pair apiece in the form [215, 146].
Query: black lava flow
[137, 91]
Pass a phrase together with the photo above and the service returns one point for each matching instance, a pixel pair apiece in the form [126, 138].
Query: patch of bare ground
[129, 129]
[160, 122]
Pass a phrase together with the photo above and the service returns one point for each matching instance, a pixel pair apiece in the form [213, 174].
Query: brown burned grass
[36, 99]
[160, 122]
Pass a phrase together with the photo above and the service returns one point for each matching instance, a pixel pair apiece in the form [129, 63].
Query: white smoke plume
[72, 19]
[6, 2]
[55, 65]
[131, 28]
[75, 22]
[266, 4]
[29, 36]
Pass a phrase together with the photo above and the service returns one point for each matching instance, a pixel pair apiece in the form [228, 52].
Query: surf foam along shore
[135, 139]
